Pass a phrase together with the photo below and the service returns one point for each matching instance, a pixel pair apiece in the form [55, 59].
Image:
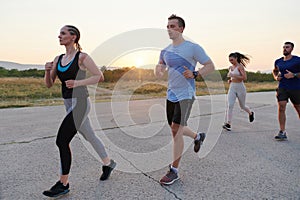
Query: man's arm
[276, 73]
[207, 68]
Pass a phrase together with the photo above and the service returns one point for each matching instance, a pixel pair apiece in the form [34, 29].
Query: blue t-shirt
[175, 58]
[293, 65]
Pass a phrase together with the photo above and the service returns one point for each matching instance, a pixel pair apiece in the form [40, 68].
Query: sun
[139, 62]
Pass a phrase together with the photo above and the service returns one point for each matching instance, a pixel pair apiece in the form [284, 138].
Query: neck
[70, 50]
[178, 41]
[287, 57]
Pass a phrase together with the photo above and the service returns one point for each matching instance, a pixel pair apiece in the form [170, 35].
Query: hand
[71, 83]
[187, 73]
[159, 70]
[289, 74]
[229, 81]
[48, 66]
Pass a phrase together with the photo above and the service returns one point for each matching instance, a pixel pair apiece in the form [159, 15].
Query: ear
[74, 38]
[181, 29]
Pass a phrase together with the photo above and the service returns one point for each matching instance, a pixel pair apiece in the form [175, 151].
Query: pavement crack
[27, 141]
[147, 175]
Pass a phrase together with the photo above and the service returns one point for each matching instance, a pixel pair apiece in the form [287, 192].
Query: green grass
[23, 92]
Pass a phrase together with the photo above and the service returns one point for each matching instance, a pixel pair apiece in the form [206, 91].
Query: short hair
[181, 22]
[290, 43]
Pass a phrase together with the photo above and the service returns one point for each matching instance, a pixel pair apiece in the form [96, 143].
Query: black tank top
[71, 72]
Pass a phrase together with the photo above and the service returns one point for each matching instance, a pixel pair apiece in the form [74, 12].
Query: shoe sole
[57, 195]
[169, 183]
[202, 138]
[280, 139]
[228, 129]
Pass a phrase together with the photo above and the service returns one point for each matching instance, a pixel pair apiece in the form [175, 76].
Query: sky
[29, 29]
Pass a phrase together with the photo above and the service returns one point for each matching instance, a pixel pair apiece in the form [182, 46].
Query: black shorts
[284, 95]
[179, 112]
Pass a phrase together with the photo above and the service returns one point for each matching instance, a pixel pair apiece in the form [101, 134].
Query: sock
[174, 169]
[108, 163]
[197, 137]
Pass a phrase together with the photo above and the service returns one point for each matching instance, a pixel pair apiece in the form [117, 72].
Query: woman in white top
[237, 89]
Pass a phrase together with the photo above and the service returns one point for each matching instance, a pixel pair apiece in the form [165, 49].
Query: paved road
[245, 163]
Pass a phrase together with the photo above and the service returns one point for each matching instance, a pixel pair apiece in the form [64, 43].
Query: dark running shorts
[285, 95]
[179, 112]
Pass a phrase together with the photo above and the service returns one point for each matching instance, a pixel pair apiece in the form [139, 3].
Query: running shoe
[199, 142]
[251, 117]
[227, 127]
[57, 190]
[281, 135]
[106, 170]
[169, 178]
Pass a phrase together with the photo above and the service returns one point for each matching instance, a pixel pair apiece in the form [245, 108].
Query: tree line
[137, 74]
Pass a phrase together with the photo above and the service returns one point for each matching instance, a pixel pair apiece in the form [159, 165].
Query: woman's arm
[243, 76]
[50, 73]
[86, 63]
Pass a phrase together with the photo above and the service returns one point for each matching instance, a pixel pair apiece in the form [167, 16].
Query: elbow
[212, 66]
[101, 78]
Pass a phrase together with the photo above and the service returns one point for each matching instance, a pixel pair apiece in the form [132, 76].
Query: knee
[60, 143]
[230, 106]
[174, 129]
[281, 108]
[243, 107]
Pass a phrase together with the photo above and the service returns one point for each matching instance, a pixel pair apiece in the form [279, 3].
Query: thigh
[241, 94]
[231, 96]
[282, 95]
[185, 107]
[67, 129]
[170, 107]
[294, 96]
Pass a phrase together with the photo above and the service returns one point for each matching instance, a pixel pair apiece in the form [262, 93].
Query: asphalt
[246, 163]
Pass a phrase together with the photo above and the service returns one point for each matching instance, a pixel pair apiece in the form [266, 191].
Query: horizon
[22, 67]
[256, 28]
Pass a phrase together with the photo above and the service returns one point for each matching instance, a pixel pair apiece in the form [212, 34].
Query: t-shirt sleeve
[200, 55]
[161, 58]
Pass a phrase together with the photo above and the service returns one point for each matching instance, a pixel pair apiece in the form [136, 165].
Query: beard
[286, 53]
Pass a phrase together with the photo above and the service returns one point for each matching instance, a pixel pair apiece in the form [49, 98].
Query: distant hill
[13, 65]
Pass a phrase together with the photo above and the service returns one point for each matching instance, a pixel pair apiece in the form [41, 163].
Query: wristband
[295, 74]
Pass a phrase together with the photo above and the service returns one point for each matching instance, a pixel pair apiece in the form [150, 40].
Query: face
[287, 49]
[173, 29]
[233, 60]
[65, 36]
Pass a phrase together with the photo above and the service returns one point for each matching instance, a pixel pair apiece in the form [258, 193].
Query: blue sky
[29, 29]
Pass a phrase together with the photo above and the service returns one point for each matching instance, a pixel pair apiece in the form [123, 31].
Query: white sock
[197, 137]
[174, 169]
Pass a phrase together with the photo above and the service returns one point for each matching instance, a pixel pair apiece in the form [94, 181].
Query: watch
[295, 74]
[195, 73]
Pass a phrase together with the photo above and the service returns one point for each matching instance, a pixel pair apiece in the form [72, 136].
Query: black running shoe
[169, 178]
[57, 190]
[251, 117]
[198, 143]
[106, 170]
[227, 127]
[281, 135]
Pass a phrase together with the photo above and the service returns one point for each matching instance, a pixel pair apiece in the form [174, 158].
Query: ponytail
[74, 31]
[241, 58]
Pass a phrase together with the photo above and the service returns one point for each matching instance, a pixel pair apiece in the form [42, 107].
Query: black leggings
[67, 131]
